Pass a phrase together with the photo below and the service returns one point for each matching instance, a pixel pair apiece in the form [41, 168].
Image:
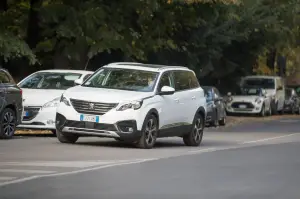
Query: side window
[217, 94]
[5, 78]
[185, 80]
[193, 80]
[165, 80]
[87, 76]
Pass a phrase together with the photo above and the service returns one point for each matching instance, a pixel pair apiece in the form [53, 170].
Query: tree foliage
[216, 38]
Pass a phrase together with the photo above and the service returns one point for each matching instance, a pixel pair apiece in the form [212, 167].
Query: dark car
[216, 112]
[292, 101]
[10, 105]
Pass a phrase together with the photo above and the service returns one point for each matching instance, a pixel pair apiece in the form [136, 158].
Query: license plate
[242, 106]
[89, 118]
[25, 113]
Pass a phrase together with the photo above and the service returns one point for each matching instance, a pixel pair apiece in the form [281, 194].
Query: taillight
[21, 91]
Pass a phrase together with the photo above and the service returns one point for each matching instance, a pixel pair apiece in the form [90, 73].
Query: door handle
[193, 98]
[176, 100]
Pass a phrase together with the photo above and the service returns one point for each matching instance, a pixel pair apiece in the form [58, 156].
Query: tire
[149, 133]
[263, 111]
[66, 137]
[194, 137]
[274, 108]
[222, 122]
[270, 111]
[8, 123]
[298, 110]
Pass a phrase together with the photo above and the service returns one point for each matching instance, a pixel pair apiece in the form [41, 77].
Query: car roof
[65, 71]
[147, 67]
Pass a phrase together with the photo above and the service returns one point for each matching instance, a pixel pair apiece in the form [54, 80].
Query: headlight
[65, 100]
[258, 101]
[53, 103]
[132, 105]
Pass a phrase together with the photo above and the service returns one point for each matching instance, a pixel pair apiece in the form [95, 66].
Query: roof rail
[146, 65]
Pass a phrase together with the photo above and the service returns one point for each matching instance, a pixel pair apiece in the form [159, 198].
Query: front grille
[236, 105]
[30, 112]
[90, 125]
[97, 108]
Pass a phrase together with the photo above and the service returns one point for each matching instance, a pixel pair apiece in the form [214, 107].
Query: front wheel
[8, 124]
[149, 133]
[67, 138]
[194, 137]
[222, 122]
[263, 111]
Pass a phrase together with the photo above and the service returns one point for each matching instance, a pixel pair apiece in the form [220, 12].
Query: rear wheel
[194, 137]
[66, 137]
[149, 133]
[8, 123]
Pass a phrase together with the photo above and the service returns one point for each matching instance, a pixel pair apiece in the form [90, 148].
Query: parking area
[27, 157]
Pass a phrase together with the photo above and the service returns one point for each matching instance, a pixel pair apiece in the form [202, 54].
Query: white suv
[134, 102]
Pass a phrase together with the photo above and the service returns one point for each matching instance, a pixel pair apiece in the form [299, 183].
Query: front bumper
[44, 119]
[123, 130]
[252, 109]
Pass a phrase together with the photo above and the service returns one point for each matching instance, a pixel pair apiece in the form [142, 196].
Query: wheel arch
[154, 112]
[202, 112]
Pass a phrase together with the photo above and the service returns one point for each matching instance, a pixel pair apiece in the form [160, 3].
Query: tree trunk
[271, 59]
[3, 5]
[33, 29]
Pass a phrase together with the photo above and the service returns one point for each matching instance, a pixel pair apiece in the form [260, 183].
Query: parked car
[292, 101]
[274, 86]
[134, 102]
[10, 105]
[249, 101]
[215, 107]
[41, 95]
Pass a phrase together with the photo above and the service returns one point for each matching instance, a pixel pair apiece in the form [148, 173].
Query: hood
[38, 97]
[104, 95]
[245, 98]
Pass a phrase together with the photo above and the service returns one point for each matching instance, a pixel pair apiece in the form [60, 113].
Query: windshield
[123, 79]
[47, 80]
[248, 91]
[259, 82]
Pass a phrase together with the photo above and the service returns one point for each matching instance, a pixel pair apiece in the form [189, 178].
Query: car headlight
[131, 105]
[258, 101]
[52, 103]
[65, 100]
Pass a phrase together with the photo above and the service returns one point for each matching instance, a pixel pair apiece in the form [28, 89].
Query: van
[274, 86]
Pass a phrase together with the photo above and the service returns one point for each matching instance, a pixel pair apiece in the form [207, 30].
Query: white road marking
[268, 139]
[2, 178]
[24, 171]
[202, 150]
[67, 164]
[72, 172]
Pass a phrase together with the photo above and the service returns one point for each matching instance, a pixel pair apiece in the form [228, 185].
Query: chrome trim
[95, 132]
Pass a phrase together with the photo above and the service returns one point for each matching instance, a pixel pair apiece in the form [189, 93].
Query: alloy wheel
[8, 124]
[150, 132]
[197, 130]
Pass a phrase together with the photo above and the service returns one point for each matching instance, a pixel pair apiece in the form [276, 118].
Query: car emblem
[91, 105]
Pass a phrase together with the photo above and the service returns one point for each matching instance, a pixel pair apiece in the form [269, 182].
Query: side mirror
[280, 88]
[167, 90]
[229, 94]
[78, 82]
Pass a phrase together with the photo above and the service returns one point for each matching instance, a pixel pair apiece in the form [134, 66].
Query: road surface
[254, 160]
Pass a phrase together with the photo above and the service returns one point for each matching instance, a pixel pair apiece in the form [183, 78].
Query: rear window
[266, 83]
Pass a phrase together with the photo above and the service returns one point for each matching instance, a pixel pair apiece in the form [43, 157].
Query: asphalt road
[255, 160]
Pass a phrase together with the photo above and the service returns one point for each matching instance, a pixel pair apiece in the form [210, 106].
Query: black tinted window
[87, 76]
[185, 80]
[5, 78]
